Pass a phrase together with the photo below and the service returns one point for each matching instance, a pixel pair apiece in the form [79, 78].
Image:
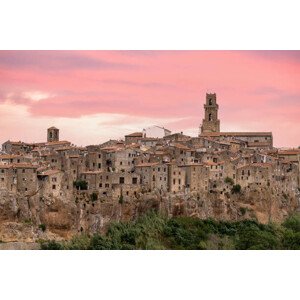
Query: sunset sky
[93, 96]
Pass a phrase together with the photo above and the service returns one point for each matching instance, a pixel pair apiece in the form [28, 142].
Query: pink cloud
[257, 90]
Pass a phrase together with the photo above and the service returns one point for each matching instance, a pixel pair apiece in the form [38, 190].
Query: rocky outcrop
[30, 219]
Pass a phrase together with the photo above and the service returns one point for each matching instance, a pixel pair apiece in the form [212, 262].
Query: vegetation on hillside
[185, 233]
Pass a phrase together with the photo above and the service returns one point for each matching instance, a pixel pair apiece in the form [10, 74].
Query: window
[174, 181]
[107, 185]
[23, 171]
[153, 178]
[100, 185]
[53, 187]
[210, 102]
[121, 163]
[121, 180]
[158, 169]
[134, 180]
[54, 179]
[99, 166]
[210, 117]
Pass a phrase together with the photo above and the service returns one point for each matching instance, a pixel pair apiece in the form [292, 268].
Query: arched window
[210, 102]
[210, 117]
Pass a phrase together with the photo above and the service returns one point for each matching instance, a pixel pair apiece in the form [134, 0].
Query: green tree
[236, 189]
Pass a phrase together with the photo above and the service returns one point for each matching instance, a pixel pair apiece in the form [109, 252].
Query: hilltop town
[55, 189]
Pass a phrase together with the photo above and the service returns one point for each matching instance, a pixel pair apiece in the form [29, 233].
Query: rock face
[31, 219]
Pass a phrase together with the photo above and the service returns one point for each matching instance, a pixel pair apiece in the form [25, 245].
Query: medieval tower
[52, 134]
[211, 123]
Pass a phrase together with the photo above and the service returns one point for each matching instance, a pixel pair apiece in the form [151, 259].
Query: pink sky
[96, 95]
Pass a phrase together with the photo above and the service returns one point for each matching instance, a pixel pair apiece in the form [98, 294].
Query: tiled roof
[2, 166]
[57, 143]
[24, 166]
[237, 134]
[146, 165]
[289, 152]
[9, 156]
[135, 134]
[49, 172]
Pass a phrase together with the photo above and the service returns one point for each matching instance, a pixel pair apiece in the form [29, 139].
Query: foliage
[229, 180]
[51, 245]
[121, 199]
[243, 210]
[80, 185]
[42, 227]
[236, 189]
[94, 197]
[153, 231]
[293, 223]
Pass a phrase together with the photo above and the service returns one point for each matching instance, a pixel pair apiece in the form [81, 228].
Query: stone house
[176, 178]
[26, 178]
[197, 177]
[133, 138]
[51, 183]
[6, 177]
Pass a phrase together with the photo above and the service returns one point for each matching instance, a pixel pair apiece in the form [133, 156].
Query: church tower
[211, 123]
[52, 134]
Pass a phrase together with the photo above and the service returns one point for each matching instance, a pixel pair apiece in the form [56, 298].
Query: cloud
[256, 90]
[56, 61]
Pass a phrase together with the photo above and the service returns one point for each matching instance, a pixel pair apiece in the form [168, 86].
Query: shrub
[42, 227]
[243, 210]
[51, 245]
[236, 189]
[94, 197]
[229, 180]
[121, 199]
[80, 185]
[293, 223]
[152, 231]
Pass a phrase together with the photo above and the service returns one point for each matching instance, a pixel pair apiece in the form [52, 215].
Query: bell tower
[211, 123]
[52, 134]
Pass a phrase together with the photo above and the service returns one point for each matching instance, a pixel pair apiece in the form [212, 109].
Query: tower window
[210, 117]
[210, 102]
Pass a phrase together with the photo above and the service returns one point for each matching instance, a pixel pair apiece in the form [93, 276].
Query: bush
[42, 227]
[236, 189]
[229, 180]
[153, 231]
[94, 197]
[80, 185]
[293, 223]
[121, 199]
[243, 210]
[51, 245]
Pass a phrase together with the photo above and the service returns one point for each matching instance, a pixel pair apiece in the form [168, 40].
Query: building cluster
[153, 160]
